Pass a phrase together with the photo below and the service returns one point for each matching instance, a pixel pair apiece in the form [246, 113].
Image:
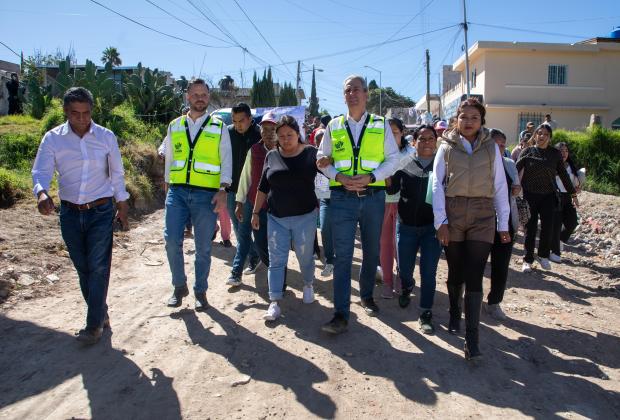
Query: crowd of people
[451, 187]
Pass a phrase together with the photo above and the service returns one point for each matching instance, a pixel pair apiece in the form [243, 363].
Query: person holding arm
[364, 153]
[90, 175]
[287, 184]
[469, 195]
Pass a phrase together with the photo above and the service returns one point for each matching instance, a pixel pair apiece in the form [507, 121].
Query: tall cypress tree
[314, 101]
[287, 95]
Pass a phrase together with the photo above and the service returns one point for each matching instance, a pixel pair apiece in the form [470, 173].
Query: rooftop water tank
[615, 33]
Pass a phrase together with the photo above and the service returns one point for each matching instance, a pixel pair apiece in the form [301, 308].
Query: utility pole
[428, 82]
[298, 82]
[466, 47]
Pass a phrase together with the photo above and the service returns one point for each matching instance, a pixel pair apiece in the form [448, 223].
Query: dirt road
[558, 356]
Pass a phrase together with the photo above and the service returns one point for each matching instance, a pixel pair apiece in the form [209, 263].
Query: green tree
[390, 99]
[112, 56]
[263, 93]
[152, 99]
[287, 95]
[313, 108]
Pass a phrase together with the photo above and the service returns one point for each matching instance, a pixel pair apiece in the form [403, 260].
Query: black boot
[455, 292]
[473, 302]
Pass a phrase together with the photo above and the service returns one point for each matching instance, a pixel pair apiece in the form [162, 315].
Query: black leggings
[500, 261]
[566, 217]
[542, 205]
[466, 262]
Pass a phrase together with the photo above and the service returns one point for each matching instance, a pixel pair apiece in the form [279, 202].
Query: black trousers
[543, 206]
[500, 261]
[566, 217]
[466, 262]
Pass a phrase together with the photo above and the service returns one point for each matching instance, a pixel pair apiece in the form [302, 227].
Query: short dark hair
[497, 132]
[195, 82]
[474, 103]
[325, 119]
[547, 115]
[417, 131]
[77, 94]
[397, 122]
[242, 107]
[288, 121]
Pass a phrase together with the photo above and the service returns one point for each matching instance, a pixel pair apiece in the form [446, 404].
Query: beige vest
[469, 175]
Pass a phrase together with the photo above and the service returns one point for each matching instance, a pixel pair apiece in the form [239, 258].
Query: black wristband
[373, 178]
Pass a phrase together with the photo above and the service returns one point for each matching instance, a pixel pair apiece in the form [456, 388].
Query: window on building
[556, 75]
[524, 117]
[474, 74]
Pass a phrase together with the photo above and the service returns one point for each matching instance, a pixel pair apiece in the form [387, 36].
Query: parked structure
[522, 81]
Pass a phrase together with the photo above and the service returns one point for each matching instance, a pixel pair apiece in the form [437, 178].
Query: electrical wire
[486, 25]
[10, 49]
[187, 24]
[155, 30]
[263, 37]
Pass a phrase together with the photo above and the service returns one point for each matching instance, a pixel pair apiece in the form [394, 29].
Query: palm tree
[111, 55]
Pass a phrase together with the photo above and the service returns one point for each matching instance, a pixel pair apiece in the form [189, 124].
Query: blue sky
[324, 33]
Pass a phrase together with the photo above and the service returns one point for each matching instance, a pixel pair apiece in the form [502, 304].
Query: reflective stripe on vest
[197, 164]
[370, 148]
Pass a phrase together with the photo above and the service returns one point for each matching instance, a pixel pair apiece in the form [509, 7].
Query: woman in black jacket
[414, 229]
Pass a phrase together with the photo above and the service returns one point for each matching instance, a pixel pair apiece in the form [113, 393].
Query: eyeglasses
[426, 139]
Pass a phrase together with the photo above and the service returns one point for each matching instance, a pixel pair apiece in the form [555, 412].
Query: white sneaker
[273, 312]
[555, 258]
[495, 312]
[328, 270]
[233, 281]
[251, 268]
[526, 267]
[308, 294]
[544, 263]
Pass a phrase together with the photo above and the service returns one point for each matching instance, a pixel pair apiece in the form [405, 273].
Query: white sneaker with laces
[328, 270]
[273, 312]
[496, 312]
[233, 281]
[555, 258]
[308, 294]
[526, 267]
[251, 268]
[544, 263]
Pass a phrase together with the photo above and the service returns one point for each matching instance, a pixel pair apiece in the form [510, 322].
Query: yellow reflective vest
[363, 158]
[197, 164]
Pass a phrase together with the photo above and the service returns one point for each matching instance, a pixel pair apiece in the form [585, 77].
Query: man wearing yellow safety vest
[357, 153]
[198, 169]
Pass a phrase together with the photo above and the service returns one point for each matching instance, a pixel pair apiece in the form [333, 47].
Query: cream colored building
[522, 81]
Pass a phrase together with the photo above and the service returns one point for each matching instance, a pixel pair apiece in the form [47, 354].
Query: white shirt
[390, 149]
[500, 198]
[225, 149]
[89, 168]
[571, 175]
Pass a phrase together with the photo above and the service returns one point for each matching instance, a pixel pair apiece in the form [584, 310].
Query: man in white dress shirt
[198, 169]
[90, 174]
[363, 151]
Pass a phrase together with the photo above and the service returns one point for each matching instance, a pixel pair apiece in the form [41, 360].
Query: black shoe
[337, 325]
[405, 298]
[473, 303]
[454, 296]
[89, 335]
[226, 243]
[370, 307]
[201, 304]
[426, 324]
[177, 296]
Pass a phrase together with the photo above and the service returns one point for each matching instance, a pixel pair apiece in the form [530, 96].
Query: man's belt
[87, 206]
[363, 193]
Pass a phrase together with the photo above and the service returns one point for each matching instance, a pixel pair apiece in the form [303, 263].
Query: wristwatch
[373, 178]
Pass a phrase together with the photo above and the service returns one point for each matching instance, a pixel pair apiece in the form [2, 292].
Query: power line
[399, 29]
[187, 24]
[155, 30]
[529, 30]
[264, 39]
[10, 49]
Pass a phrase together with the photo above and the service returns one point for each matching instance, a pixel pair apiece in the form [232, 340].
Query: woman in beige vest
[469, 190]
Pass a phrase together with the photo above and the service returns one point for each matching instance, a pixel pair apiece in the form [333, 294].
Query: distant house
[227, 94]
[522, 81]
[6, 68]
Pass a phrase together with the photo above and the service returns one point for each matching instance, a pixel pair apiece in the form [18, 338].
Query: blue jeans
[301, 230]
[184, 203]
[326, 230]
[88, 236]
[409, 240]
[260, 238]
[347, 210]
[243, 233]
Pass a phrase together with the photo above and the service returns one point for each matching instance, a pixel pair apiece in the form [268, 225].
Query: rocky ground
[555, 357]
